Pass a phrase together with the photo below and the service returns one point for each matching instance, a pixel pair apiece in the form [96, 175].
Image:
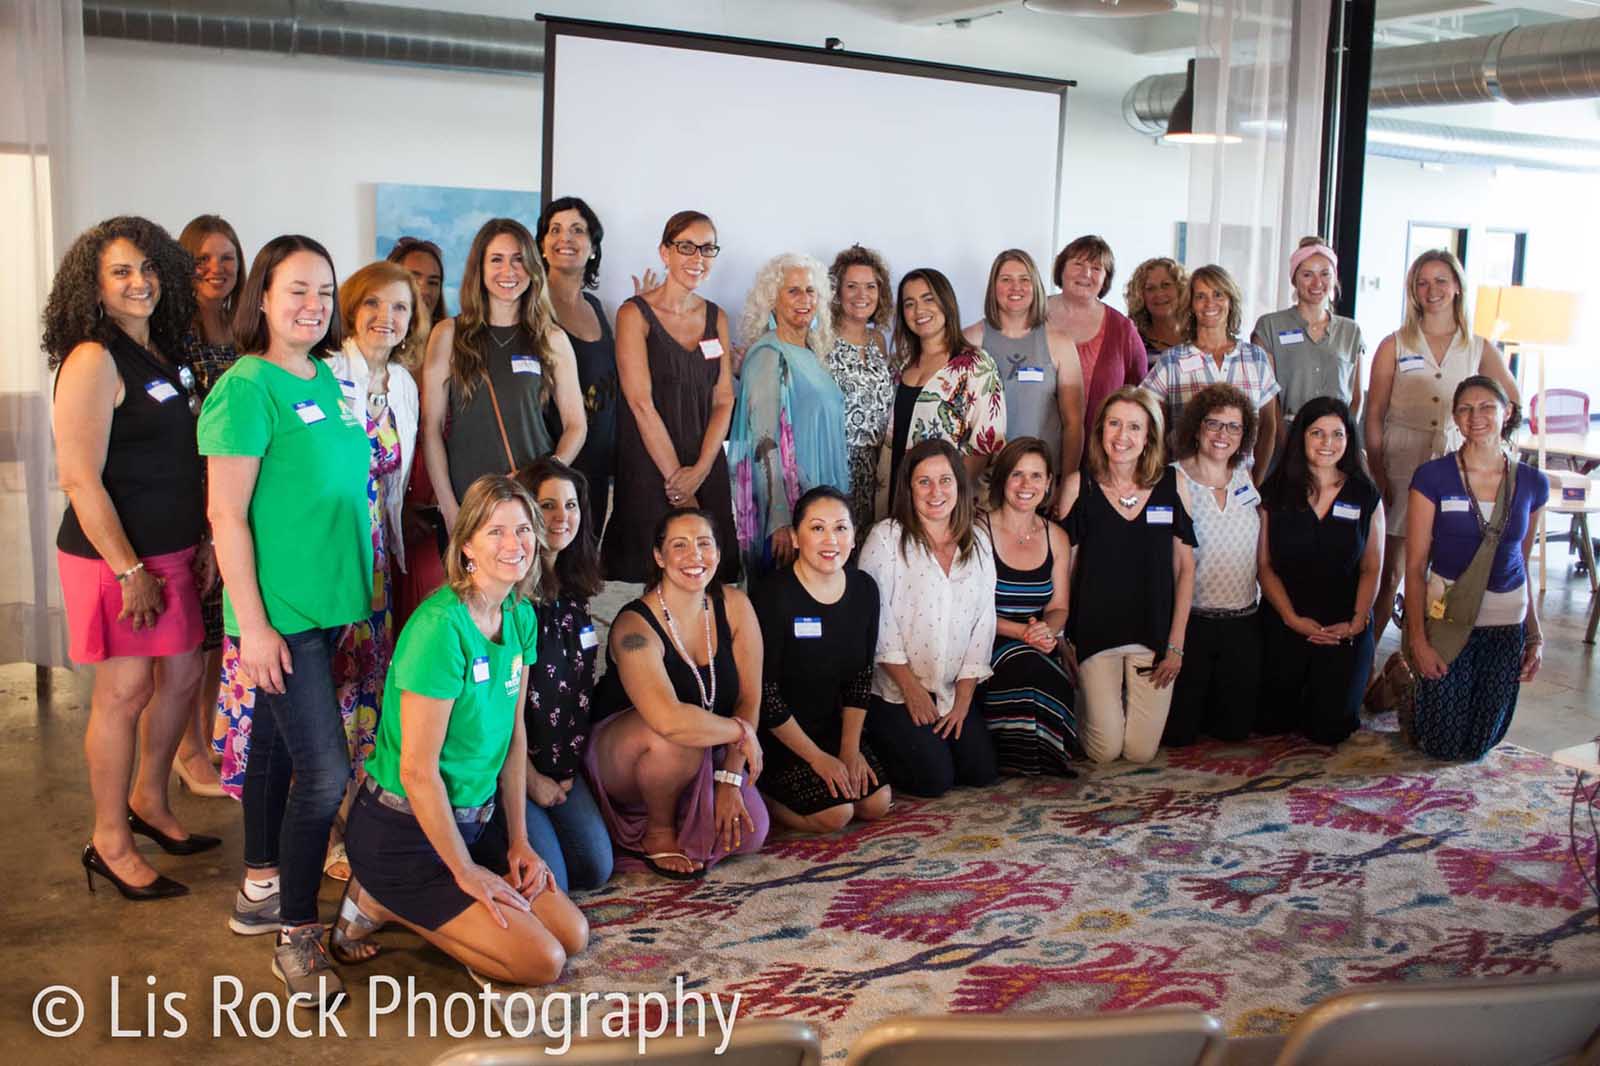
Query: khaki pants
[1123, 713]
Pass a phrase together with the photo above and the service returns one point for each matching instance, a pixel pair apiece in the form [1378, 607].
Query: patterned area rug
[1247, 880]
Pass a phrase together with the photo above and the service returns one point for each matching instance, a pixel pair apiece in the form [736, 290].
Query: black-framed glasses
[1232, 429]
[707, 250]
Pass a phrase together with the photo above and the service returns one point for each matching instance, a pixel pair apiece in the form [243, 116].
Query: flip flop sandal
[352, 932]
[662, 871]
[336, 857]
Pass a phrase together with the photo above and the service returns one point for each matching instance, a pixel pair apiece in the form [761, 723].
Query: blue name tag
[525, 364]
[161, 390]
[587, 638]
[1347, 511]
[480, 669]
[1411, 363]
[1030, 373]
[1291, 336]
[808, 627]
[1454, 503]
[309, 412]
[1245, 495]
[1158, 516]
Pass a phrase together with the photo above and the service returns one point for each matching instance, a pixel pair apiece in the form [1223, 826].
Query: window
[1504, 252]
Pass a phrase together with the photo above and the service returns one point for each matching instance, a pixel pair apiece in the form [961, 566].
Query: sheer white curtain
[41, 98]
[1259, 80]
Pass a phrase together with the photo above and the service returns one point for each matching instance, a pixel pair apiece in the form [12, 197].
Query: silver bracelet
[728, 777]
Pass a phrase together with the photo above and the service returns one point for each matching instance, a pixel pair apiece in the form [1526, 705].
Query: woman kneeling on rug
[819, 628]
[935, 573]
[438, 836]
[1318, 560]
[673, 765]
[1470, 623]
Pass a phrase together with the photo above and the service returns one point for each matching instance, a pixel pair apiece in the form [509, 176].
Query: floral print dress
[360, 659]
[867, 381]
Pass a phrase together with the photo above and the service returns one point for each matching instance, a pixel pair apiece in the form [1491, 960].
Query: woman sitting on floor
[673, 765]
[935, 575]
[439, 824]
[1028, 701]
[1319, 561]
[1472, 627]
[819, 628]
[564, 824]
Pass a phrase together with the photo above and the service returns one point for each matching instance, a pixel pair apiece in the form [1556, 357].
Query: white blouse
[941, 626]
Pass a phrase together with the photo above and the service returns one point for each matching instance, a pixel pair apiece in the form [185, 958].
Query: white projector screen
[929, 165]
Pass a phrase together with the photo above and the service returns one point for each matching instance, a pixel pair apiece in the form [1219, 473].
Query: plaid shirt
[1180, 373]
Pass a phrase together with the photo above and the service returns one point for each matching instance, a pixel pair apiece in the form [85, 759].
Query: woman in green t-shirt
[440, 822]
[288, 467]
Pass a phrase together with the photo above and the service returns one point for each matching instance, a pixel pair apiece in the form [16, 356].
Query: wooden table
[1584, 449]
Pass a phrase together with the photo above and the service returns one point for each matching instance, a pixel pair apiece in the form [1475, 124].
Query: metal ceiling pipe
[1429, 142]
[1525, 65]
[372, 32]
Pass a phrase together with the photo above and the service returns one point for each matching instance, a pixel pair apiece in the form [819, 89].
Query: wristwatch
[728, 777]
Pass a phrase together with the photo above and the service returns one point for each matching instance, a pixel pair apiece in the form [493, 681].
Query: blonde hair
[1411, 326]
[1219, 279]
[1133, 292]
[991, 303]
[758, 306]
[1152, 460]
[372, 277]
[484, 495]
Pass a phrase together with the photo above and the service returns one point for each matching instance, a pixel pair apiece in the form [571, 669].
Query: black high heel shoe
[160, 888]
[189, 845]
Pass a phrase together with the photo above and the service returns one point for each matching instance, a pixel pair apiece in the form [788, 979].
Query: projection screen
[801, 149]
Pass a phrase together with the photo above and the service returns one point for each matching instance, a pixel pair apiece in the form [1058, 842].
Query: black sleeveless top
[474, 447]
[153, 466]
[610, 697]
[597, 378]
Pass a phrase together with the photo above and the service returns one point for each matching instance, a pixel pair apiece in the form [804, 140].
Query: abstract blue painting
[448, 216]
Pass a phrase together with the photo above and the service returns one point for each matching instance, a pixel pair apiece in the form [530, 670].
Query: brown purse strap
[511, 463]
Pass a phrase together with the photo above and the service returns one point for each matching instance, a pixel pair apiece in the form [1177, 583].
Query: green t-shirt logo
[514, 680]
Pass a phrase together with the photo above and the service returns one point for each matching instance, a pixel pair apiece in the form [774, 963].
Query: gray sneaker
[252, 917]
[302, 964]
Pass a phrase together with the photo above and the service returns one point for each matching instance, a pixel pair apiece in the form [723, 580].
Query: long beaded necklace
[708, 702]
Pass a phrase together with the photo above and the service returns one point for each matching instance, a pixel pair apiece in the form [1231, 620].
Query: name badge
[1410, 364]
[1191, 364]
[526, 364]
[1291, 336]
[347, 387]
[808, 627]
[1158, 516]
[480, 669]
[161, 390]
[711, 348]
[1246, 495]
[1030, 373]
[309, 412]
[1574, 494]
[1347, 511]
[1455, 503]
[587, 638]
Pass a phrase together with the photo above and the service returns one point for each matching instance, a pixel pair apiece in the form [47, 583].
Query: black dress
[610, 697]
[597, 379]
[818, 660]
[1028, 701]
[682, 382]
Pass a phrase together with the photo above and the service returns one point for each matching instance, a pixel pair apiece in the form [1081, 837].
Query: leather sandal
[350, 941]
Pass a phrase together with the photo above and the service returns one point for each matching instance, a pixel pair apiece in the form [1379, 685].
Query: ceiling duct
[1525, 65]
[373, 32]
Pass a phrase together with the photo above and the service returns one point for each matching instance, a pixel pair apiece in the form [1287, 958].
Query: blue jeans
[571, 838]
[299, 765]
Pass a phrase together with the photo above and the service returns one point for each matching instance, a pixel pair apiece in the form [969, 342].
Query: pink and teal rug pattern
[1247, 880]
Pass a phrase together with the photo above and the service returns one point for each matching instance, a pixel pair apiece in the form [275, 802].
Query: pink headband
[1302, 254]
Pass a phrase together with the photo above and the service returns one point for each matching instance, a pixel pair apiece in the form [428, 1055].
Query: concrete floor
[57, 934]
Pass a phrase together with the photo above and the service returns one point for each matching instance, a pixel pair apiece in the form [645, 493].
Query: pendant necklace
[706, 701]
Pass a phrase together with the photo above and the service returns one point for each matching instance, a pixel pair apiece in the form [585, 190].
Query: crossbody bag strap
[494, 401]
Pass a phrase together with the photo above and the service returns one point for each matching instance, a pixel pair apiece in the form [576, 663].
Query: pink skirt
[93, 599]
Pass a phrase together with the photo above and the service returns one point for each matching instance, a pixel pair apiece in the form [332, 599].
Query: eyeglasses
[707, 251]
[186, 379]
[1232, 429]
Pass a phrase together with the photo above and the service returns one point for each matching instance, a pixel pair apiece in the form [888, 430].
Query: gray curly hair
[758, 306]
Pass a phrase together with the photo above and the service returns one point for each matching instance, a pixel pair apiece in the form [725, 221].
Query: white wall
[282, 144]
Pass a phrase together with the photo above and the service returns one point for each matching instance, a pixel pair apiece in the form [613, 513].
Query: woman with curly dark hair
[130, 546]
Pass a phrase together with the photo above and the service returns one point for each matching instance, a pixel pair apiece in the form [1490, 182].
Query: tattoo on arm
[634, 642]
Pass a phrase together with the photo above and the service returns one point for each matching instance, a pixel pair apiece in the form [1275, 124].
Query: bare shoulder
[973, 331]
[631, 633]
[1058, 537]
[741, 611]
